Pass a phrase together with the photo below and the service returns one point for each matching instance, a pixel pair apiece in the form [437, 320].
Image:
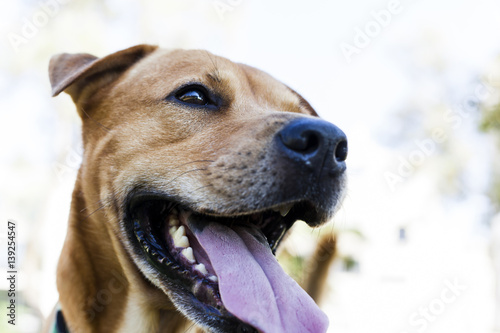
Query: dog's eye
[193, 96]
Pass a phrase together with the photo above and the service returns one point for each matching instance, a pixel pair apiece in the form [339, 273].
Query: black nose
[314, 142]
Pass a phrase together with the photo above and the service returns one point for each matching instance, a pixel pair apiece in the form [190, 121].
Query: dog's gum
[207, 294]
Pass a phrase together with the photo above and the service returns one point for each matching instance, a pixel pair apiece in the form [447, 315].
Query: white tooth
[285, 209]
[180, 239]
[213, 278]
[181, 242]
[172, 231]
[188, 254]
[201, 268]
[181, 231]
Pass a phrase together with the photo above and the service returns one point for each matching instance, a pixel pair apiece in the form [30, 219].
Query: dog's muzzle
[224, 264]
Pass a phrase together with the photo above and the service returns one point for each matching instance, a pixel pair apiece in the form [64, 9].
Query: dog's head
[202, 165]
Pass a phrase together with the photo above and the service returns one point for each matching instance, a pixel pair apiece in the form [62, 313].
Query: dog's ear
[73, 72]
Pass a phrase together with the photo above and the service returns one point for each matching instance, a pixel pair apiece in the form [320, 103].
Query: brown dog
[194, 169]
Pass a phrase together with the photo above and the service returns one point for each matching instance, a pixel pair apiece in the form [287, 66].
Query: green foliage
[293, 264]
[350, 263]
[490, 123]
[491, 120]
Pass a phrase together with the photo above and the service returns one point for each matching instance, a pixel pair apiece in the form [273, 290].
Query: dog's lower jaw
[101, 292]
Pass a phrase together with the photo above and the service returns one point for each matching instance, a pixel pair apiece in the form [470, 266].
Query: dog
[194, 170]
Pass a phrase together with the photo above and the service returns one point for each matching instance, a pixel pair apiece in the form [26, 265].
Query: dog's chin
[164, 234]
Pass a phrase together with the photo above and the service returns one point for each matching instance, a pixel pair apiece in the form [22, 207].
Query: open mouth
[224, 265]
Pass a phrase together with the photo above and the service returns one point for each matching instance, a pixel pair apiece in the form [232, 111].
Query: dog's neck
[97, 294]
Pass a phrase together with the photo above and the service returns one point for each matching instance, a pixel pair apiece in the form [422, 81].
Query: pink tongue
[252, 284]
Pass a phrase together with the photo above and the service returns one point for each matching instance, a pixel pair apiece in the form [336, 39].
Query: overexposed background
[408, 81]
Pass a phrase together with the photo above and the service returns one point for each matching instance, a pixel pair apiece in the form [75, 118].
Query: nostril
[311, 142]
[341, 151]
[305, 142]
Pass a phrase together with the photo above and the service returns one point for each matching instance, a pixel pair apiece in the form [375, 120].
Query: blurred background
[414, 84]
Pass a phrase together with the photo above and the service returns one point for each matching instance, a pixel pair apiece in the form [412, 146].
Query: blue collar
[59, 325]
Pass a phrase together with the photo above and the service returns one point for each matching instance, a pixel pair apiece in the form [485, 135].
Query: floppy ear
[73, 72]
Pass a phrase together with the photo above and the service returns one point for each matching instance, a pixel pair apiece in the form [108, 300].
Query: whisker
[199, 188]
[190, 328]
[98, 123]
[215, 74]
[197, 161]
[95, 203]
[99, 208]
[184, 173]
[102, 203]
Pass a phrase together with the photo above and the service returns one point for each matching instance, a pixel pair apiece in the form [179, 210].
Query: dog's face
[202, 165]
